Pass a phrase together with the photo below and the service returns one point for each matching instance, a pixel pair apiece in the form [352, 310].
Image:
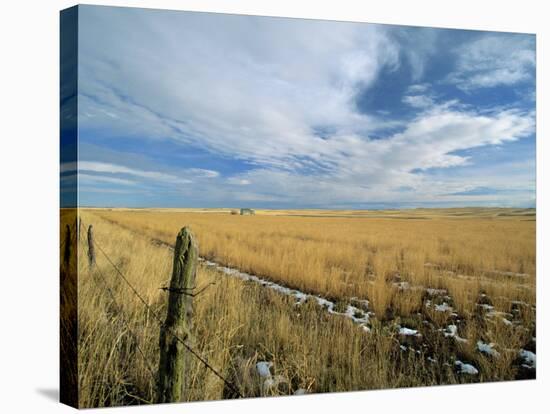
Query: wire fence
[232, 388]
[121, 314]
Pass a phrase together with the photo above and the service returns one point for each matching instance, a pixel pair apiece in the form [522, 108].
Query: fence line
[231, 387]
[65, 242]
[175, 362]
[67, 246]
[123, 317]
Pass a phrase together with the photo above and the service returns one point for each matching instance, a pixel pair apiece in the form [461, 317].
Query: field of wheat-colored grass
[479, 259]
[338, 257]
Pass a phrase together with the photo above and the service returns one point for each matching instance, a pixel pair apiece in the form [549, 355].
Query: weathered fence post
[173, 375]
[91, 249]
[67, 250]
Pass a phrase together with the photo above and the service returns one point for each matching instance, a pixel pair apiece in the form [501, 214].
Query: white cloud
[418, 88]
[363, 170]
[263, 98]
[102, 167]
[202, 173]
[214, 85]
[88, 178]
[418, 46]
[418, 101]
[495, 60]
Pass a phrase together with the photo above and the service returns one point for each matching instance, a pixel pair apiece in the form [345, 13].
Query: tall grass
[239, 323]
[334, 256]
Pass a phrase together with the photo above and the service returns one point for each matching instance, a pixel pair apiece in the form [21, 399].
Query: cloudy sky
[180, 109]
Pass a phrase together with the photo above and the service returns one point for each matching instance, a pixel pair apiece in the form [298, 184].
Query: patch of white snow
[466, 368]
[529, 358]
[487, 349]
[408, 332]
[262, 368]
[444, 307]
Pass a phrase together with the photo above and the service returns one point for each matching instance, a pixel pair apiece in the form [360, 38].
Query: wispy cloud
[276, 87]
[87, 178]
[279, 109]
[101, 167]
[202, 173]
[418, 101]
[495, 60]
[363, 169]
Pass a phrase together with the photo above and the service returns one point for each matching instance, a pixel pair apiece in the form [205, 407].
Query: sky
[182, 109]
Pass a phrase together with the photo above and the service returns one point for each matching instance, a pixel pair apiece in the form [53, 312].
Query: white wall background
[29, 203]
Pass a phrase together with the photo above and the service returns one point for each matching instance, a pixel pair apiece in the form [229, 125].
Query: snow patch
[263, 370]
[529, 358]
[356, 314]
[408, 332]
[487, 349]
[485, 306]
[452, 332]
[444, 307]
[464, 368]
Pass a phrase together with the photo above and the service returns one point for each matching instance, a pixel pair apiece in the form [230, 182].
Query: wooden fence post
[91, 249]
[173, 374]
[67, 250]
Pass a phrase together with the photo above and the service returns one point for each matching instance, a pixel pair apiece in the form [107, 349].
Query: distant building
[247, 212]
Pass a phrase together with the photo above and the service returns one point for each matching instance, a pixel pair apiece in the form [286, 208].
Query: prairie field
[441, 296]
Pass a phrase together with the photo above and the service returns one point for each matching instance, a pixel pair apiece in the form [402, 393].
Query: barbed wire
[121, 313]
[159, 320]
[185, 291]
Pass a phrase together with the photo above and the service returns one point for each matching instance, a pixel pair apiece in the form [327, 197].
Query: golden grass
[335, 256]
[239, 323]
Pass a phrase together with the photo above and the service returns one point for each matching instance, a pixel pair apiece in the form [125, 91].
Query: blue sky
[180, 109]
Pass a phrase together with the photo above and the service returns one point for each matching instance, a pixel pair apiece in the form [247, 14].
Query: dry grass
[239, 323]
[335, 256]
